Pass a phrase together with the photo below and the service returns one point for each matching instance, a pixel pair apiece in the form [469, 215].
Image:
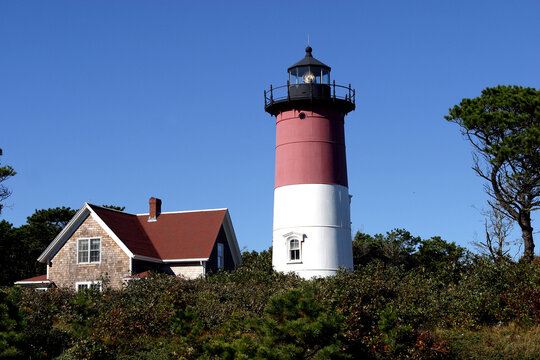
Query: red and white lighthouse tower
[312, 226]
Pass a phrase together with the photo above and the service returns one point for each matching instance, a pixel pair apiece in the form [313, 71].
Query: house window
[220, 256]
[85, 285]
[88, 251]
[294, 250]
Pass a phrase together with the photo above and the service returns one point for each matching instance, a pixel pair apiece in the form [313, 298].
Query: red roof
[146, 274]
[179, 235]
[143, 274]
[40, 278]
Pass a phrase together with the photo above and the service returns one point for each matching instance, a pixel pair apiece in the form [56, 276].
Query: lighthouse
[312, 226]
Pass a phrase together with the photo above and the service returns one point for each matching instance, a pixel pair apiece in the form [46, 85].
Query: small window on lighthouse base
[293, 241]
[294, 250]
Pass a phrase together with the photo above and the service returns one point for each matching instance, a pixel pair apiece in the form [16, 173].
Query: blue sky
[113, 102]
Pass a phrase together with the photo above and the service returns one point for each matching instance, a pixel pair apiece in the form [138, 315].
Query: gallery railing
[308, 91]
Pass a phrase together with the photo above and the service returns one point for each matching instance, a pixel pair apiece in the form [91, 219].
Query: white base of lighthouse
[312, 229]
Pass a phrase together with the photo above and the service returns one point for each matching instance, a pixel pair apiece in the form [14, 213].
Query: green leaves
[399, 247]
[20, 247]
[378, 311]
[5, 173]
[503, 122]
[503, 125]
[296, 326]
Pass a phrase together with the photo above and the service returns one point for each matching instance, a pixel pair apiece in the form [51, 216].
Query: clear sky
[112, 102]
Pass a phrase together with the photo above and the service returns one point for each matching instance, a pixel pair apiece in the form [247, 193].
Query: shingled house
[101, 243]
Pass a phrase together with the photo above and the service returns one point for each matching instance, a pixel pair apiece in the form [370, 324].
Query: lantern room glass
[309, 74]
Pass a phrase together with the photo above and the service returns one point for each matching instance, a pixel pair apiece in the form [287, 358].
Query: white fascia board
[184, 260]
[64, 235]
[165, 261]
[109, 232]
[147, 258]
[32, 282]
[231, 239]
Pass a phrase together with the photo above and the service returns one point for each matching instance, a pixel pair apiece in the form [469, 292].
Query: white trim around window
[89, 251]
[84, 285]
[294, 247]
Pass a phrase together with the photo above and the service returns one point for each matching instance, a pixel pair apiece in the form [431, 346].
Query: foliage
[510, 341]
[383, 309]
[5, 173]
[434, 254]
[53, 220]
[498, 228]
[257, 264]
[114, 207]
[399, 247]
[503, 125]
[9, 254]
[10, 326]
[20, 247]
[28, 330]
[296, 326]
[395, 247]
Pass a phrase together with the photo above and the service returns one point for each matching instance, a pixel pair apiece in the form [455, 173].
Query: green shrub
[382, 310]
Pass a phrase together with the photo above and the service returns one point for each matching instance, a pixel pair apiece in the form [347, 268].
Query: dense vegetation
[407, 298]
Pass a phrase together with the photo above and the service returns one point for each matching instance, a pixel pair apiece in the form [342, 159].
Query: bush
[381, 310]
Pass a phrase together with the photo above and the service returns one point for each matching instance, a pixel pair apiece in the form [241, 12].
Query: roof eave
[231, 238]
[81, 215]
[309, 61]
[32, 282]
[167, 261]
[111, 233]
[71, 226]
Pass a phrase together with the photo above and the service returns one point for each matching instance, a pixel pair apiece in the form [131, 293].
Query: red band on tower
[310, 147]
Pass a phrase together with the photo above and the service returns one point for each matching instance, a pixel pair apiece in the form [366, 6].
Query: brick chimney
[155, 209]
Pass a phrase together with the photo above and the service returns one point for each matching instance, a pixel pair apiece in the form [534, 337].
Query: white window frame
[296, 250]
[89, 250]
[88, 285]
[220, 257]
[290, 237]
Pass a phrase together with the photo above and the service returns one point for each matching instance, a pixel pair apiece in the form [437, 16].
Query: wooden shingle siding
[188, 271]
[114, 264]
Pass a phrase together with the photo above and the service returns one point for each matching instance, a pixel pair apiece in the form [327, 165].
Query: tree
[503, 125]
[114, 207]
[435, 254]
[498, 228]
[396, 247]
[5, 173]
[20, 247]
[400, 247]
[296, 326]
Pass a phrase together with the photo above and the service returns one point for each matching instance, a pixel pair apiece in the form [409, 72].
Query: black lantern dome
[309, 82]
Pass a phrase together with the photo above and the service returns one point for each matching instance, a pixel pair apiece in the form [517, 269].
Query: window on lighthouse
[294, 250]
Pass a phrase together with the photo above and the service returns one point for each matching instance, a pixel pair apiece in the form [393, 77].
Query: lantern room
[309, 71]
[309, 83]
